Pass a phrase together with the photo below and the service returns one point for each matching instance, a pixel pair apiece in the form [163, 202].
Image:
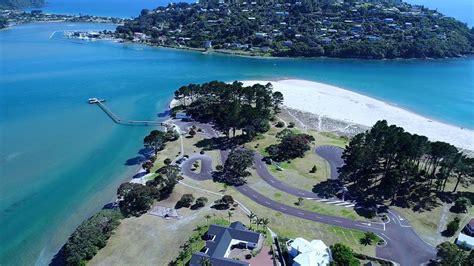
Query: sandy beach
[335, 103]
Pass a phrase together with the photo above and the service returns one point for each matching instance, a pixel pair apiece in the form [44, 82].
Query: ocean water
[116, 8]
[61, 159]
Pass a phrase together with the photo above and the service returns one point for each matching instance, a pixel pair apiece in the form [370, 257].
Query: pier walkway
[125, 122]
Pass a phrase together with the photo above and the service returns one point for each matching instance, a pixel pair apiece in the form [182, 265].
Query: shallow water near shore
[61, 159]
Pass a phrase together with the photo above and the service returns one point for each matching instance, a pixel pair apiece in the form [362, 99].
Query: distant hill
[375, 29]
[18, 4]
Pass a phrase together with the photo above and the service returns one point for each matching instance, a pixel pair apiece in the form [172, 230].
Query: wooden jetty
[121, 121]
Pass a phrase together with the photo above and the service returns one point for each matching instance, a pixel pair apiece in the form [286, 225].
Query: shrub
[90, 236]
[291, 125]
[167, 161]
[224, 203]
[280, 124]
[314, 169]
[452, 227]
[343, 256]
[192, 132]
[200, 202]
[462, 204]
[185, 201]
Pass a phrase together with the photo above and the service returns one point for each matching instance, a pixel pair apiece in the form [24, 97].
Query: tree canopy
[235, 167]
[387, 163]
[291, 145]
[343, 256]
[231, 107]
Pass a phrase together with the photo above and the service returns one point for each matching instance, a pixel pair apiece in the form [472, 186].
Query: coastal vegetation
[90, 236]
[230, 107]
[387, 163]
[349, 29]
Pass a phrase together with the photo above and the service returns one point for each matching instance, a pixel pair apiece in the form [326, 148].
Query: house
[208, 44]
[305, 253]
[466, 237]
[183, 116]
[469, 228]
[222, 240]
[465, 241]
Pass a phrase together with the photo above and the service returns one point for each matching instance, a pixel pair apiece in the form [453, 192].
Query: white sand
[351, 107]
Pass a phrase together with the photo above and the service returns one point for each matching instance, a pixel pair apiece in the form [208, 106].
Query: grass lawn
[292, 227]
[297, 171]
[310, 205]
[430, 224]
[151, 240]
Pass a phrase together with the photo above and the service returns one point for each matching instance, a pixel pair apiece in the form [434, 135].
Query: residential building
[305, 253]
[222, 240]
[466, 237]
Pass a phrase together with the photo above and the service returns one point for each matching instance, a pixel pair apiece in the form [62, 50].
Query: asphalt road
[332, 155]
[403, 245]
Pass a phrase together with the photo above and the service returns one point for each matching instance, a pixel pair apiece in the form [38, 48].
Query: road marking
[337, 221]
[300, 213]
[244, 189]
[267, 202]
[253, 195]
[334, 202]
[283, 208]
[349, 206]
[385, 236]
[323, 200]
[342, 203]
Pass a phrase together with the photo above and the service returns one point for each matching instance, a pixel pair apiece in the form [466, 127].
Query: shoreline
[356, 109]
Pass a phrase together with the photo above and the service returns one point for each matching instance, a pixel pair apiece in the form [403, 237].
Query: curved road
[403, 244]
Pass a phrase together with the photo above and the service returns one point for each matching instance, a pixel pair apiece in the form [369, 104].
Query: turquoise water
[62, 159]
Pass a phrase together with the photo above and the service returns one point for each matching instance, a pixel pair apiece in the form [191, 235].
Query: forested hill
[308, 28]
[18, 4]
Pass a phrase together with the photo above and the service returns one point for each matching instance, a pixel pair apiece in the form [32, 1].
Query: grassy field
[289, 226]
[151, 240]
[310, 205]
[292, 227]
[430, 224]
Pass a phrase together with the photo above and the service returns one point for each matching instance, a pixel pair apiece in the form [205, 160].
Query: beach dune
[350, 107]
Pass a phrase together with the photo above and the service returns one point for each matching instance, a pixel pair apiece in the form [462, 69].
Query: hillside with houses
[347, 29]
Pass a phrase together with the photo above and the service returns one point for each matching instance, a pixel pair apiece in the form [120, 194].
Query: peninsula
[374, 29]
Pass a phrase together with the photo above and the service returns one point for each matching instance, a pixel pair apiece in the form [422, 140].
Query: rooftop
[222, 238]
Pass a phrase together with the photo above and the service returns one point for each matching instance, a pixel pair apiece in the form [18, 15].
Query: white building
[305, 253]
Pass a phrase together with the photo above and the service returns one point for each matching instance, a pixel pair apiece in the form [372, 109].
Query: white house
[305, 253]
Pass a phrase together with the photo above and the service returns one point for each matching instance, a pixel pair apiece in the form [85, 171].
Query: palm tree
[258, 222]
[265, 222]
[207, 216]
[229, 215]
[251, 217]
